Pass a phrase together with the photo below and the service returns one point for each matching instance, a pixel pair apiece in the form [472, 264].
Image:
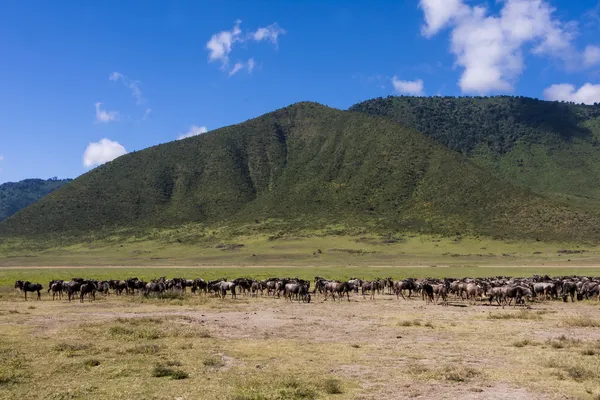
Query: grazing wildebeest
[244, 284]
[569, 288]
[199, 285]
[26, 286]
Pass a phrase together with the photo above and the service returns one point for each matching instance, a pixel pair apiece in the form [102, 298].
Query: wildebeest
[406, 284]
[339, 288]
[154, 287]
[56, 286]
[26, 286]
[89, 288]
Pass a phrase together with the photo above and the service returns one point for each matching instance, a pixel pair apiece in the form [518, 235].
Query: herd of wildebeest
[501, 289]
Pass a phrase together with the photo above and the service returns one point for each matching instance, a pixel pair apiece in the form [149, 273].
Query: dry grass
[265, 348]
[521, 314]
[525, 342]
[580, 321]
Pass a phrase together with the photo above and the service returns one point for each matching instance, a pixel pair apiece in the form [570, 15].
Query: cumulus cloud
[587, 94]
[133, 86]
[414, 88]
[490, 48]
[439, 14]
[270, 33]
[591, 56]
[101, 152]
[194, 131]
[221, 44]
[105, 116]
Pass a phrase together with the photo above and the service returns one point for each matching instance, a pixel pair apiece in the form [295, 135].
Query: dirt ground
[267, 348]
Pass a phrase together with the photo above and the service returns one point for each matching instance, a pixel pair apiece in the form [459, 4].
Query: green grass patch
[161, 370]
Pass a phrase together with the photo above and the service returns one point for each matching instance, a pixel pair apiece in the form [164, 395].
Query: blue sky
[103, 78]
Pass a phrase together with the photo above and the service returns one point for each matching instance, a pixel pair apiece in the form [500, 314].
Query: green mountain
[305, 166]
[15, 196]
[550, 147]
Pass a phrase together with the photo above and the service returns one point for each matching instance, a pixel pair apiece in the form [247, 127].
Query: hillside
[306, 166]
[550, 147]
[15, 196]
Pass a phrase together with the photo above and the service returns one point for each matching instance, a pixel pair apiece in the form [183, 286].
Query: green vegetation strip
[44, 275]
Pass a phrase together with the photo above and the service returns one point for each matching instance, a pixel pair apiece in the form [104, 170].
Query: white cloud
[591, 56]
[194, 131]
[101, 152]
[270, 33]
[1, 158]
[490, 48]
[439, 13]
[105, 116]
[132, 85]
[587, 94]
[147, 113]
[236, 68]
[220, 44]
[414, 88]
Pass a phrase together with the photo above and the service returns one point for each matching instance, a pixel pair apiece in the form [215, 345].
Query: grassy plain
[265, 348]
[164, 248]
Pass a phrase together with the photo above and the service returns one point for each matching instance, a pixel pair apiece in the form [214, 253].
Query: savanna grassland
[397, 187]
[193, 346]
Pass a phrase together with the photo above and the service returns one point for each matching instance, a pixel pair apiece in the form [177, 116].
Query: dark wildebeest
[427, 292]
[369, 287]
[257, 286]
[104, 288]
[154, 287]
[199, 285]
[569, 288]
[57, 287]
[298, 289]
[89, 288]
[72, 287]
[26, 286]
[244, 285]
[406, 284]
[340, 288]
